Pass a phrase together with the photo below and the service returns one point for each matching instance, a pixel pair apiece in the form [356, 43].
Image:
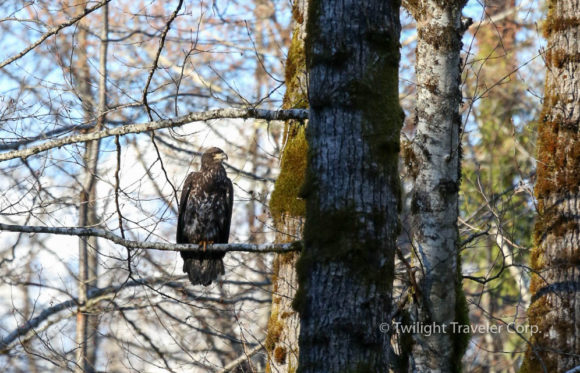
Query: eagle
[205, 215]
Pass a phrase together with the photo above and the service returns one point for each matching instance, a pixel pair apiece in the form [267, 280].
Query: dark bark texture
[555, 284]
[352, 185]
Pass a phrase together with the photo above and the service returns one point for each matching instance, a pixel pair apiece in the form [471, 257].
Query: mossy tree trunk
[288, 208]
[435, 158]
[352, 185]
[555, 284]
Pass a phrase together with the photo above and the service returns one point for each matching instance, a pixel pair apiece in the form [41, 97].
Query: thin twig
[156, 60]
[52, 31]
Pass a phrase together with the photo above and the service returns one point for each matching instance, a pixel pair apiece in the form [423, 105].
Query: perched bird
[205, 214]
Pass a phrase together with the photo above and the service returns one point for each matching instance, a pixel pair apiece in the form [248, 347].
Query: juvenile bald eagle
[205, 214]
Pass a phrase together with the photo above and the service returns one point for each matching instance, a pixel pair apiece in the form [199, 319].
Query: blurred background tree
[497, 208]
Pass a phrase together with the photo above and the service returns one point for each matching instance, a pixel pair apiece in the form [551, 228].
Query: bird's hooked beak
[221, 157]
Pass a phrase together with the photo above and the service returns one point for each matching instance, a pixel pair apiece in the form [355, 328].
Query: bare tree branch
[228, 166]
[53, 31]
[247, 113]
[93, 297]
[164, 246]
[156, 59]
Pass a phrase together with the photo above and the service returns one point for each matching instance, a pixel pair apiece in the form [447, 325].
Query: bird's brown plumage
[205, 212]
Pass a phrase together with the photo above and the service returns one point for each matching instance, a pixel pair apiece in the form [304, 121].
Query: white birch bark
[436, 170]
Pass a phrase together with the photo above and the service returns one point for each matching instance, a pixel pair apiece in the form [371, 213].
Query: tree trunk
[435, 166]
[555, 284]
[352, 185]
[288, 208]
[87, 325]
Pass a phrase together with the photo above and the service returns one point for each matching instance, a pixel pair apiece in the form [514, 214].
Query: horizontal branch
[230, 113]
[96, 232]
[15, 144]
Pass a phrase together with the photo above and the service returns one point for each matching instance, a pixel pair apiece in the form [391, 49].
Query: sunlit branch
[96, 232]
[249, 113]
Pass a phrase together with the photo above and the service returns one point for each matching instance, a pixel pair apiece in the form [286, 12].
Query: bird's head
[212, 157]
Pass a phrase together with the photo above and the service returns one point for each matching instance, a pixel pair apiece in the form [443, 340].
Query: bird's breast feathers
[207, 210]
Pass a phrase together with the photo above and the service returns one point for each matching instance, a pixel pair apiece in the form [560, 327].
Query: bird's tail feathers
[203, 271]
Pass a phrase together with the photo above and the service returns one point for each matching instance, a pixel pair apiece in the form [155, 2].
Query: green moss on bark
[275, 328]
[285, 203]
[376, 94]
[295, 75]
[460, 340]
[558, 146]
[555, 23]
[557, 179]
[280, 355]
[285, 197]
[335, 237]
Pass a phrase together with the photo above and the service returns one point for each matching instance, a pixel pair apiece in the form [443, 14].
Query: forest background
[152, 61]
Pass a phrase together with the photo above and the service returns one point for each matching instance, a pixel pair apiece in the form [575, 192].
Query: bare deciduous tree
[168, 65]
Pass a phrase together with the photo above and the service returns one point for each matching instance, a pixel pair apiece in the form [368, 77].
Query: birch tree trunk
[288, 208]
[87, 325]
[555, 285]
[352, 185]
[435, 166]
